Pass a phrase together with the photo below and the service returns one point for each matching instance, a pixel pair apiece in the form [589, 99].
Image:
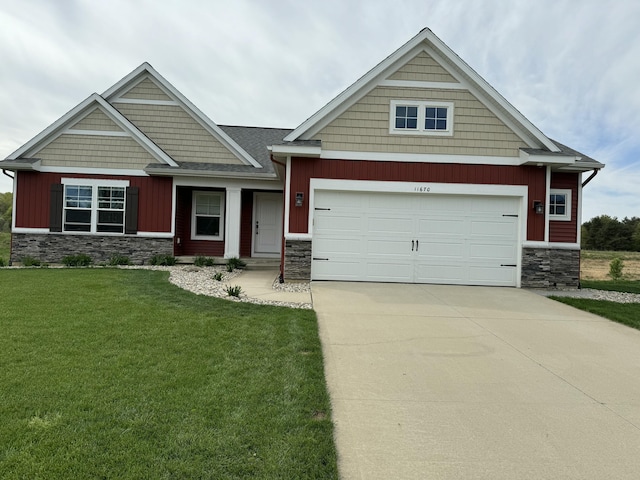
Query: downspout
[595, 172]
[5, 172]
[284, 201]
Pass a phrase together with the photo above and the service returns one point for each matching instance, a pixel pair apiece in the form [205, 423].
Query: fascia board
[296, 150]
[204, 173]
[531, 159]
[199, 116]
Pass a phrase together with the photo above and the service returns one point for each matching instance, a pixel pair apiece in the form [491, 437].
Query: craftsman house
[418, 172]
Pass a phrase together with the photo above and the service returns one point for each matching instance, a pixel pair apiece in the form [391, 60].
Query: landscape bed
[112, 373]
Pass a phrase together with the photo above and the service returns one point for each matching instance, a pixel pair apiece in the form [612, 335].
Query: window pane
[78, 216]
[401, 111]
[412, 112]
[110, 216]
[85, 191]
[560, 210]
[430, 124]
[208, 204]
[441, 112]
[400, 123]
[412, 123]
[560, 199]
[431, 112]
[209, 226]
[76, 227]
[441, 124]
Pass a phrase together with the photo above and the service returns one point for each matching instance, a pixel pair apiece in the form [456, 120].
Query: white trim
[96, 133]
[419, 84]
[296, 150]
[551, 245]
[30, 230]
[527, 158]
[421, 106]
[142, 101]
[223, 183]
[233, 212]
[13, 201]
[94, 171]
[94, 182]
[567, 208]
[182, 172]
[155, 234]
[298, 236]
[579, 212]
[419, 157]
[287, 197]
[545, 202]
[174, 203]
[222, 217]
[147, 71]
[46, 231]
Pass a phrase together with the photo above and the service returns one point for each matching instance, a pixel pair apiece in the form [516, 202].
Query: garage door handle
[318, 258]
[412, 245]
[417, 245]
[508, 265]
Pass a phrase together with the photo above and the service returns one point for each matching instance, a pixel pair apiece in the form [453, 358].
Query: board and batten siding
[565, 231]
[97, 120]
[303, 169]
[177, 133]
[147, 90]
[423, 68]
[94, 151]
[32, 201]
[364, 127]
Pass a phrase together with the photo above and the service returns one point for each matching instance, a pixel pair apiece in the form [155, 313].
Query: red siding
[32, 199]
[565, 231]
[303, 169]
[186, 246]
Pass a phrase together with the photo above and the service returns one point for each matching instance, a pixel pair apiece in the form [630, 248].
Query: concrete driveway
[448, 382]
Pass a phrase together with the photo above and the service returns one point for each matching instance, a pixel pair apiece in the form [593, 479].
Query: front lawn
[108, 373]
[629, 286]
[5, 246]
[625, 313]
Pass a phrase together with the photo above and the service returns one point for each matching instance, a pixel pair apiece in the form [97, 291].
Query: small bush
[2, 263]
[234, 263]
[218, 276]
[615, 268]
[118, 259]
[234, 291]
[167, 260]
[202, 261]
[29, 261]
[80, 260]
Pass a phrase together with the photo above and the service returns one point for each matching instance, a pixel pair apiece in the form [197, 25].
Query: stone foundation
[297, 260]
[549, 267]
[52, 248]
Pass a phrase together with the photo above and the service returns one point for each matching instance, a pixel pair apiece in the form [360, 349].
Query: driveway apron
[454, 382]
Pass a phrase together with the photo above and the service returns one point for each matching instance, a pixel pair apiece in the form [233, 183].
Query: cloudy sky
[572, 67]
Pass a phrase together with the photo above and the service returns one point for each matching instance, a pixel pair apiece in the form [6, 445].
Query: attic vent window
[421, 118]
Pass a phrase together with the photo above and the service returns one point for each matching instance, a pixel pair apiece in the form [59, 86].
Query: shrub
[234, 263]
[615, 268]
[202, 261]
[118, 259]
[234, 291]
[80, 260]
[2, 263]
[29, 261]
[163, 260]
[218, 276]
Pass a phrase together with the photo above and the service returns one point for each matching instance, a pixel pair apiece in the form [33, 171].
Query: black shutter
[131, 211]
[55, 207]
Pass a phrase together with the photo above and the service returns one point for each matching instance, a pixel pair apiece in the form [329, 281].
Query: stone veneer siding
[549, 267]
[52, 248]
[297, 260]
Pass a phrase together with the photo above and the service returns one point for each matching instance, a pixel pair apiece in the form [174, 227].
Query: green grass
[5, 245]
[107, 373]
[625, 313]
[630, 286]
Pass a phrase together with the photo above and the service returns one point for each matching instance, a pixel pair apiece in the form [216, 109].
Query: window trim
[567, 215]
[195, 236]
[422, 105]
[95, 184]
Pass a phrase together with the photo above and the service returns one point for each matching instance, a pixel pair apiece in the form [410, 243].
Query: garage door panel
[462, 239]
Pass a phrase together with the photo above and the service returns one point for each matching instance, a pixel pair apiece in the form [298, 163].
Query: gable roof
[426, 40]
[146, 71]
[77, 113]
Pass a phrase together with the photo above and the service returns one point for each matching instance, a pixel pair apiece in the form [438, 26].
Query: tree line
[6, 205]
[609, 233]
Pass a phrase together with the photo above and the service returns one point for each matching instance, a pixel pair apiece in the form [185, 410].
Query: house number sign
[422, 189]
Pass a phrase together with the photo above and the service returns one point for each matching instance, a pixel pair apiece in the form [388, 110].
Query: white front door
[267, 224]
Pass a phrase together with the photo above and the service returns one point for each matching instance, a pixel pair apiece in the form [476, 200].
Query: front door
[267, 224]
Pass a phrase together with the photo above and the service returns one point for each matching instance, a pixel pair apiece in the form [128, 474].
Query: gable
[177, 133]
[146, 90]
[96, 120]
[423, 68]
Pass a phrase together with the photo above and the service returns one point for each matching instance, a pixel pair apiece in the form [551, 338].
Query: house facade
[418, 172]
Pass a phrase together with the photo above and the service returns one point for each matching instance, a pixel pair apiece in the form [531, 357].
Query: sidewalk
[259, 284]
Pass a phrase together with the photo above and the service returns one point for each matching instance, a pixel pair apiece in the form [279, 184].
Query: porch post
[232, 223]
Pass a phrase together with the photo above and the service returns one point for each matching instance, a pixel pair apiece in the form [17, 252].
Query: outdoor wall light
[538, 207]
[299, 198]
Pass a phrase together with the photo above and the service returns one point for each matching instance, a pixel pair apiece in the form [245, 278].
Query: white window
[560, 204]
[93, 206]
[207, 216]
[421, 118]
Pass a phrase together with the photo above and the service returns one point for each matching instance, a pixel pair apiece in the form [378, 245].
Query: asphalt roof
[255, 141]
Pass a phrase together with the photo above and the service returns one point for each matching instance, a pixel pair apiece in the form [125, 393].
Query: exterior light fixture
[538, 207]
[299, 199]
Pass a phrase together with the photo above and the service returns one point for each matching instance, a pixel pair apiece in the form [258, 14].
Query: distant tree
[6, 205]
[609, 233]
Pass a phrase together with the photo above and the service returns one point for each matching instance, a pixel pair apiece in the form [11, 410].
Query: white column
[232, 223]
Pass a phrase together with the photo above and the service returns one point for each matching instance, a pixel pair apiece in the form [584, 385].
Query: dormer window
[421, 118]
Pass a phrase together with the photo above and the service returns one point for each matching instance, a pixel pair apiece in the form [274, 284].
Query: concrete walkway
[443, 382]
[259, 284]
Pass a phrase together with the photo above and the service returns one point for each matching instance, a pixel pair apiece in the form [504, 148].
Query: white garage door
[448, 239]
